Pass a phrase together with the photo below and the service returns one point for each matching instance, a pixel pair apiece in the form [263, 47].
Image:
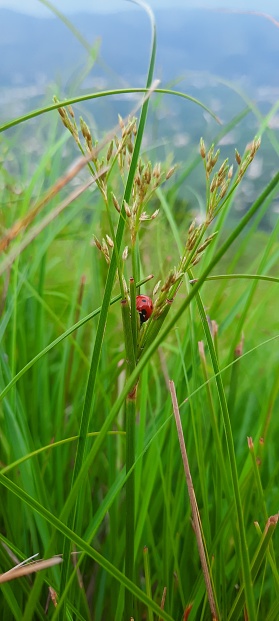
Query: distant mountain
[233, 46]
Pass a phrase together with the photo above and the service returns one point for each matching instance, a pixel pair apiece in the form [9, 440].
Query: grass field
[140, 458]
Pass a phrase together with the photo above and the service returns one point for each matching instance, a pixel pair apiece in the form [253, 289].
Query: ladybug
[144, 306]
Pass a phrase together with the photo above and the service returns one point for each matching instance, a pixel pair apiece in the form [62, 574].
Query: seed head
[250, 442]
[224, 188]
[237, 157]
[115, 202]
[155, 214]
[202, 149]
[110, 242]
[71, 112]
[170, 172]
[156, 171]
[127, 209]
[96, 242]
[213, 184]
[109, 152]
[105, 251]
[121, 122]
[156, 288]
[125, 253]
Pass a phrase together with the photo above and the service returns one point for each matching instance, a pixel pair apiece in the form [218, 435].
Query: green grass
[88, 470]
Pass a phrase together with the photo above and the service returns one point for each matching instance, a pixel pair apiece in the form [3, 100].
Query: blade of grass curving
[108, 93]
[240, 276]
[81, 544]
[88, 401]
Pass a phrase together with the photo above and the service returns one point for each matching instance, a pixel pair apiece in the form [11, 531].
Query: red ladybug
[144, 306]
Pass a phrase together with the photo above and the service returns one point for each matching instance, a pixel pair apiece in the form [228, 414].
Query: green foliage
[90, 459]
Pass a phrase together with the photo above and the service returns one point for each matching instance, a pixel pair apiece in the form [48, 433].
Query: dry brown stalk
[30, 568]
[193, 502]
[37, 229]
[21, 224]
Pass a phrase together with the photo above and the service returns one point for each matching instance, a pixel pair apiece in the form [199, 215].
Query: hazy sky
[36, 7]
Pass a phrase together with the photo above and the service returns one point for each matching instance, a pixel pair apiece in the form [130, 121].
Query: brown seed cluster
[220, 183]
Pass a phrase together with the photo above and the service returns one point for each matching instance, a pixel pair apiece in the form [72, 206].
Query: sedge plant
[129, 187]
[138, 333]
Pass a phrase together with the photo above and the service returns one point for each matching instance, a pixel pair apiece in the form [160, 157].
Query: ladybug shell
[144, 306]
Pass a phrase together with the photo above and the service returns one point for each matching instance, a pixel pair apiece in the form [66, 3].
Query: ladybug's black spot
[143, 315]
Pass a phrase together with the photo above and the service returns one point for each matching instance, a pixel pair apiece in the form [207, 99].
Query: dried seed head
[105, 251]
[237, 157]
[157, 171]
[213, 184]
[110, 242]
[96, 242]
[230, 172]
[67, 122]
[214, 159]
[71, 112]
[224, 188]
[125, 253]
[147, 173]
[121, 122]
[223, 169]
[196, 260]
[130, 146]
[206, 243]
[85, 130]
[156, 288]
[144, 216]
[62, 111]
[192, 227]
[202, 149]
[250, 443]
[170, 172]
[115, 202]
[155, 214]
[109, 152]
[254, 147]
[209, 158]
[125, 286]
[169, 282]
[192, 239]
[105, 246]
[127, 209]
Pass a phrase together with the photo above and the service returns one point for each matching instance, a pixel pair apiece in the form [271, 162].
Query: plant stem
[130, 503]
[130, 456]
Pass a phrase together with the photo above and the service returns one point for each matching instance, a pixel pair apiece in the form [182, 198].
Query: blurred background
[227, 57]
